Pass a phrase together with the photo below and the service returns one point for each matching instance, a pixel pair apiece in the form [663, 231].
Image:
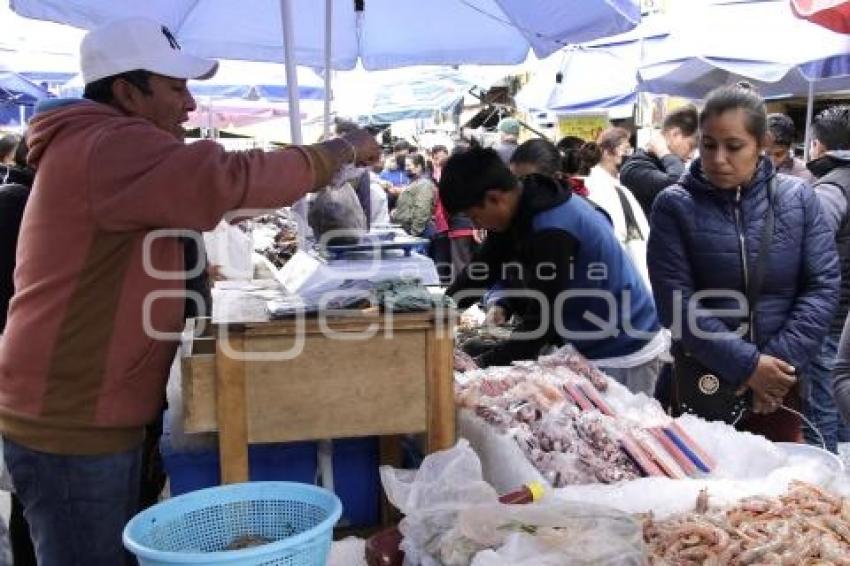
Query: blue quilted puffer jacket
[695, 244]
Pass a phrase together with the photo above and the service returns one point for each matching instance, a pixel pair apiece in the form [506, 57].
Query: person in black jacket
[648, 172]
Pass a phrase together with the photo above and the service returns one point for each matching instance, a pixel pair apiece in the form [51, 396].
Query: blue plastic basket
[195, 528]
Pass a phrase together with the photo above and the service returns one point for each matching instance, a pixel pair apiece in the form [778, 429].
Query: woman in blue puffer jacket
[703, 252]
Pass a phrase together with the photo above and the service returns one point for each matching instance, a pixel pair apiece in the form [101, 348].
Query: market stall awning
[832, 14]
[254, 81]
[240, 79]
[383, 97]
[385, 34]
[18, 96]
[597, 75]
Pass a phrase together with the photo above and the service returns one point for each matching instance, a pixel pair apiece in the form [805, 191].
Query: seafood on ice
[556, 411]
[805, 526]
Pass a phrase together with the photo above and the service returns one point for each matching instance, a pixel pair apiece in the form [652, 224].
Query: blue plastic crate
[190, 471]
[357, 481]
[356, 478]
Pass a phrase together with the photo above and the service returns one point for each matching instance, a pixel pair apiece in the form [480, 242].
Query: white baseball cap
[138, 43]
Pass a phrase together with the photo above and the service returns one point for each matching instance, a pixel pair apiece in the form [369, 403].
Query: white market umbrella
[385, 34]
[593, 76]
[762, 42]
[40, 51]
[382, 34]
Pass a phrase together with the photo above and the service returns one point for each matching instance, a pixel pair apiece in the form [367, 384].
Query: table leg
[230, 408]
[390, 453]
[441, 402]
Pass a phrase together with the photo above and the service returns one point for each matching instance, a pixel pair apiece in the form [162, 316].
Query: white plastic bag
[231, 250]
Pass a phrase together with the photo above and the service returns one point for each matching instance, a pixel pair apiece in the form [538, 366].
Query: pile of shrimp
[805, 526]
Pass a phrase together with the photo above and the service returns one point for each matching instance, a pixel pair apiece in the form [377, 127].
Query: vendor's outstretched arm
[164, 183]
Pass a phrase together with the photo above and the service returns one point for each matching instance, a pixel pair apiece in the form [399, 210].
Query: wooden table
[357, 374]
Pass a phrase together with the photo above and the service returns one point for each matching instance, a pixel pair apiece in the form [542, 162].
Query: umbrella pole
[291, 72]
[22, 116]
[328, 46]
[326, 448]
[300, 207]
[810, 107]
[210, 122]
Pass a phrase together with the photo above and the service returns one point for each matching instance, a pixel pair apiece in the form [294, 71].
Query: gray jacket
[833, 188]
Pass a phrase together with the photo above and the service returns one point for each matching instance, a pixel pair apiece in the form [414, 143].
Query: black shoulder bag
[698, 389]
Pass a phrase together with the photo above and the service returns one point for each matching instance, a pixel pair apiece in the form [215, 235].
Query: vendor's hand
[215, 272]
[496, 316]
[657, 146]
[367, 149]
[394, 190]
[772, 379]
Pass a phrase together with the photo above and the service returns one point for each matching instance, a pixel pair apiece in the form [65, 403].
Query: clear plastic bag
[557, 532]
[454, 518]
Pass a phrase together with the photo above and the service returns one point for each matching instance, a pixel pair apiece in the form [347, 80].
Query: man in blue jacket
[581, 287]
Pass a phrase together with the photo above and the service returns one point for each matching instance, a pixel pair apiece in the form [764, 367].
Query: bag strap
[633, 231]
[754, 290]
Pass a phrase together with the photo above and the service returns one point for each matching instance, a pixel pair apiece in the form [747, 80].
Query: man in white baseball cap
[83, 363]
[139, 43]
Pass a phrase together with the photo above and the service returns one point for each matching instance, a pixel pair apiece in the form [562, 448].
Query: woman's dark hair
[101, 89]
[8, 144]
[742, 97]
[831, 127]
[468, 175]
[541, 153]
[684, 118]
[590, 154]
[571, 163]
